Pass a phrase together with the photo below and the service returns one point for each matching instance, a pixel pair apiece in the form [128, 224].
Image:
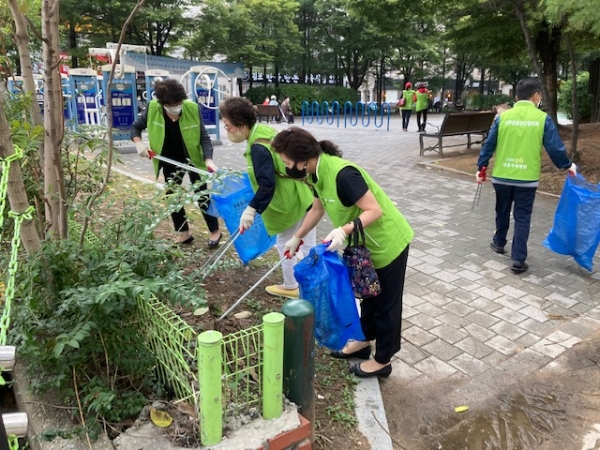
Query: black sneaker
[519, 267]
[497, 248]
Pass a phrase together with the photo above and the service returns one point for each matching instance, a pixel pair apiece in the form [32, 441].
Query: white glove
[573, 170]
[210, 165]
[142, 149]
[247, 218]
[478, 177]
[337, 238]
[291, 247]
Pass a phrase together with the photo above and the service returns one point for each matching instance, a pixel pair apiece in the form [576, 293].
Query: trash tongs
[479, 187]
[153, 155]
[286, 256]
[217, 255]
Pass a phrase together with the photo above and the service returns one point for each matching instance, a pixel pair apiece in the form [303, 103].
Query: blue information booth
[69, 114]
[85, 96]
[152, 76]
[205, 91]
[122, 97]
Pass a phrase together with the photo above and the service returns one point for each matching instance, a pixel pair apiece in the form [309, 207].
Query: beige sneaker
[279, 290]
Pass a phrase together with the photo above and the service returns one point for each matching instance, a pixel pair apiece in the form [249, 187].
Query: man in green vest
[422, 104]
[176, 131]
[517, 137]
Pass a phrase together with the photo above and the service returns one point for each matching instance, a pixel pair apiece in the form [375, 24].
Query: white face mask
[236, 137]
[175, 110]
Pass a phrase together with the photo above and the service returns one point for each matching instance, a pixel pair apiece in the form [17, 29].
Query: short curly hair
[169, 92]
[239, 111]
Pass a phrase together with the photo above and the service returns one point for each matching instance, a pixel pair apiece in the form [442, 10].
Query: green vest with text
[385, 238]
[422, 101]
[291, 198]
[189, 124]
[520, 143]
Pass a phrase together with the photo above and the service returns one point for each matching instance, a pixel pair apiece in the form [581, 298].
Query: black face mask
[296, 173]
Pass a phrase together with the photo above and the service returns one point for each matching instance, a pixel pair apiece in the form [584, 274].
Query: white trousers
[287, 266]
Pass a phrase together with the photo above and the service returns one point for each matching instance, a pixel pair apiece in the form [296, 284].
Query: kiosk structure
[85, 96]
[152, 76]
[122, 97]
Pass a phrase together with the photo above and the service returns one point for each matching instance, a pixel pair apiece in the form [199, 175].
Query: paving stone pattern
[466, 315]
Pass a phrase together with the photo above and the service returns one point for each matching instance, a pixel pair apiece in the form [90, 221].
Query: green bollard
[210, 361]
[299, 356]
[273, 324]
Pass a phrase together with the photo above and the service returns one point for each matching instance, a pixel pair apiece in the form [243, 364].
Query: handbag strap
[357, 234]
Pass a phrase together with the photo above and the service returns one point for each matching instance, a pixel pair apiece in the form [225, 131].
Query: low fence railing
[359, 113]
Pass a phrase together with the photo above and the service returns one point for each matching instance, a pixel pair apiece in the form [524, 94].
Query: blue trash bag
[576, 230]
[229, 197]
[324, 282]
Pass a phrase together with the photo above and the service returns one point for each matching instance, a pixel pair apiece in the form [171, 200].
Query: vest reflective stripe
[189, 124]
[291, 198]
[388, 236]
[422, 101]
[519, 148]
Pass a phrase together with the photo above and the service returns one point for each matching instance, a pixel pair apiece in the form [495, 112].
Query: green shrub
[584, 98]
[487, 101]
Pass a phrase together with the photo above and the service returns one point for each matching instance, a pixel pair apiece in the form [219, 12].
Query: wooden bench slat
[455, 124]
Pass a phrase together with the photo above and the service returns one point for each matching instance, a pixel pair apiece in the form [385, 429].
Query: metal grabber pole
[216, 256]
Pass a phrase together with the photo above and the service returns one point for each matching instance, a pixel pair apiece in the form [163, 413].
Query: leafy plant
[584, 98]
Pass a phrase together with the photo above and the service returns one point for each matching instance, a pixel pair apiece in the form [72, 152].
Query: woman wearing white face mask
[281, 201]
[176, 131]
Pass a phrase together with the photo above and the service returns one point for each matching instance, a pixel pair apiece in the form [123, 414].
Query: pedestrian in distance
[408, 94]
[518, 137]
[266, 101]
[176, 131]
[281, 201]
[421, 105]
[273, 100]
[346, 192]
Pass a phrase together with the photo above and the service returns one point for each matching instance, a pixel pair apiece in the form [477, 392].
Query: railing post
[211, 394]
[299, 356]
[273, 325]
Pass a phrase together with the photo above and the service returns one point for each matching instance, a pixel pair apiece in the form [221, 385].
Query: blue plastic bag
[576, 230]
[229, 197]
[324, 282]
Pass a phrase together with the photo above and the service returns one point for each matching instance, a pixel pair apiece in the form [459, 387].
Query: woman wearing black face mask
[281, 201]
[176, 131]
[346, 192]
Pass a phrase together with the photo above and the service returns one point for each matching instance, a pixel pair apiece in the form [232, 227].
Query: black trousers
[381, 316]
[180, 222]
[419, 123]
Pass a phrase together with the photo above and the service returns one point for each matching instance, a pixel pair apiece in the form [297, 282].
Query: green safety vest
[408, 95]
[291, 199]
[385, 238]
[189, 124]
[422, 101]
[520, 143]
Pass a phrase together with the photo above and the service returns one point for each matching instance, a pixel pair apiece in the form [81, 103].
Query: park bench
[456, 124]
[268, 113]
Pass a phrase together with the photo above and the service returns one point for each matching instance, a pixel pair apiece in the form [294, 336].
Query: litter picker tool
[479, 187]
[287, 256]
[216, 256]
[153, 155]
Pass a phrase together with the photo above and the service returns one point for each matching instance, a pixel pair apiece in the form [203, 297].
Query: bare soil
[552, 179]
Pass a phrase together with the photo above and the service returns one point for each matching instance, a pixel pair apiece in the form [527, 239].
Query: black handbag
[357, 257]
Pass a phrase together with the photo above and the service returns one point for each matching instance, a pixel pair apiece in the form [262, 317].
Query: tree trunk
[22, 41]
[574, 154]
[54, 188]
[547, 43]
[73, 45]
[17, 194]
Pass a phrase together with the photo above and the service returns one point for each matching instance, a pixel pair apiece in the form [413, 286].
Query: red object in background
[63, 66]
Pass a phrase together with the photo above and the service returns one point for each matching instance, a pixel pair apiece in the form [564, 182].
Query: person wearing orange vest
[517, 137]
[176, 131]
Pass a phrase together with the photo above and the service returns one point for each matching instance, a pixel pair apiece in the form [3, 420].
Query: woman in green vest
[408, 94]
[176, 131]
[346, 192]
[422, 104]
[281, 201]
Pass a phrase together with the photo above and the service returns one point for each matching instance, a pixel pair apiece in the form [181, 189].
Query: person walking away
[517, 137]
[281, 201]
[176, 131]
[422, 105]
[286, 110]
[408, 94]
[346, 192]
